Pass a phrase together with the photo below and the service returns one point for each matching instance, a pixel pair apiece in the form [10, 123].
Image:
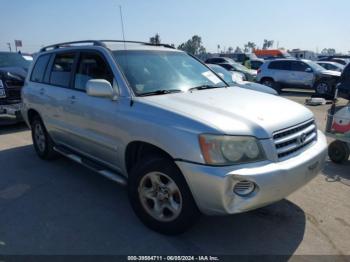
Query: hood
[16, 71]
[234, 111]
[330, 73]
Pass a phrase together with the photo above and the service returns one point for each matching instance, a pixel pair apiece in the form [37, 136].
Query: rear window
[40, 68]
[62, 69]
[280, 65]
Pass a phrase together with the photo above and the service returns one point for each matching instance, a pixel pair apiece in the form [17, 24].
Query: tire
[157, 181]
[271, 83]
[338, 152]
[322, 89]
[43, 144]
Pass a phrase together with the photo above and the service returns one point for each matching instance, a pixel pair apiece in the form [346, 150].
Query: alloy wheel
[40, 138]
[160, 196]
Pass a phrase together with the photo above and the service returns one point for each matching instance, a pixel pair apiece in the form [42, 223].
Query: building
[303, 54]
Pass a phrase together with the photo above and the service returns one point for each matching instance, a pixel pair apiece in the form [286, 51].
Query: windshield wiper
[161, 92]
[203, 87]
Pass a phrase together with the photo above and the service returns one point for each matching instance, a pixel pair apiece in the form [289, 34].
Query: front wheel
[322, 88]
[338, 151]
[160, 196]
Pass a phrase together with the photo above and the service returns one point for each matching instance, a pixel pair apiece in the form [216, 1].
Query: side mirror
[308, 70]
[99, 88]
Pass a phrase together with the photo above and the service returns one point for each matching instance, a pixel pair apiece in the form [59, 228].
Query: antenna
[122, 23]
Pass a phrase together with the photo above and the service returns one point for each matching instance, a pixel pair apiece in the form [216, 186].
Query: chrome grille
[294, 139]
[13, 89]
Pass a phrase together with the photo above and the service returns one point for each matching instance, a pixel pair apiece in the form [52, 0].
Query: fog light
[244, 188]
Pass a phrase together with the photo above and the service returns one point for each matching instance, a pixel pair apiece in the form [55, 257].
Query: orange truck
[271, 53]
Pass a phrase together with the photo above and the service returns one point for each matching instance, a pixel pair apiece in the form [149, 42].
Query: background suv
[291, 73]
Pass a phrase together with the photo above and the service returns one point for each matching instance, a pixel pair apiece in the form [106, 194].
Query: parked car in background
[342, 61]
[250, 75]
[231, 65]
[161, 122]
[219, 60]
[255, 64]
[290, 73]
[27, 57]
[333, 66]
[13, 70]
[232, 79]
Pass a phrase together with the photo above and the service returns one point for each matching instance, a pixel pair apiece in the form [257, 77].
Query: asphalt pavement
[59, 207]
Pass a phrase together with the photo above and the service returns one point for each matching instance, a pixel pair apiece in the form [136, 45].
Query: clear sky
[306, 24]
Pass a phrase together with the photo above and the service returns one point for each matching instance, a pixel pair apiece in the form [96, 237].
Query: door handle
[42, 91]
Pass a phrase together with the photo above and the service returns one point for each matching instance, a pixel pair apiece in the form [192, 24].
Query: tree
[155, 39]
[238, 50]
[267, 44]
[193, 46]
[328, 51]
[230, 49]
[246, 48]
[249, 47]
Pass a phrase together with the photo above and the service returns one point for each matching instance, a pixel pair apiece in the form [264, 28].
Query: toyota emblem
[301, 139]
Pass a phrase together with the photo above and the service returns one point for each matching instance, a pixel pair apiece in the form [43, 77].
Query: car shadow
[60, 207]
[7, 128]
[297, 93]
[337, 172]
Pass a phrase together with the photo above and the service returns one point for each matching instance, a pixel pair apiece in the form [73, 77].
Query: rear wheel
[42, 142]
[160, 196]
[338, 151]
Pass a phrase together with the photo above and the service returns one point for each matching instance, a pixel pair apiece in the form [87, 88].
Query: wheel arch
[31, 114]
[136, 150]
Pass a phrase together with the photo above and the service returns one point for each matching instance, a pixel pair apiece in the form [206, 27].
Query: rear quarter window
[39, 68]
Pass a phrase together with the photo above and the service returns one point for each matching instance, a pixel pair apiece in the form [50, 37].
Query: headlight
[226, 150]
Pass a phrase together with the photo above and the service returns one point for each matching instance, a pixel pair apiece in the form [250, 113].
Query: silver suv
[161, 122]
[292, 73]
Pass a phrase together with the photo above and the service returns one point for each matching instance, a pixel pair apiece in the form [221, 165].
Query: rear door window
[40, 68]
[62, 69]
[280, 65]
[299, 66]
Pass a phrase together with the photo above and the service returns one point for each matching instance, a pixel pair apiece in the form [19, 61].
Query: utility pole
[9, 46]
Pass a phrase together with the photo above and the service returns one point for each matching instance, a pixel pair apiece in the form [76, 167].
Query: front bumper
[212, 187]
[11, 112]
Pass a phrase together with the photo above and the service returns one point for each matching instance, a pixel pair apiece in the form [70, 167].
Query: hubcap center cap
[162, 193]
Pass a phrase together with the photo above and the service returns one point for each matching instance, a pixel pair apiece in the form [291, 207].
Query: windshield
[151, 71]
[13, 60]
[315, 66]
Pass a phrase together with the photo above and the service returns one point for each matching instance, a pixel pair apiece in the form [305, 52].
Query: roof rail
[67, 44]
[137, 42]
[100, 43]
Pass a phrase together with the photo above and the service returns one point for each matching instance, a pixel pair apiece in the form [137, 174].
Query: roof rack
[98, 43]
[137, 42]
[67, 44]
